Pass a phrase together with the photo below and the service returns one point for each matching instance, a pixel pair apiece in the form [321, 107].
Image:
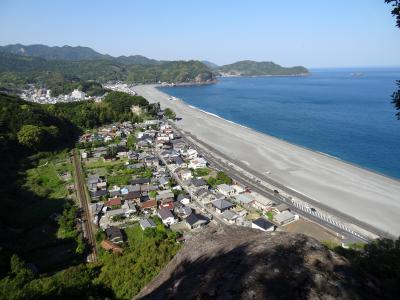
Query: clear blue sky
[312, 33]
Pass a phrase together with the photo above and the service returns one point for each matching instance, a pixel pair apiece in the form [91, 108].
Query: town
[147, 174]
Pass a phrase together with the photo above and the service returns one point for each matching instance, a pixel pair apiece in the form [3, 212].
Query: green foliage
[145, 255]
[219, 179]
[152, 194]
[63, 76]
[200, 172]
[118, 218]
[72, 283]
[270, 215]
[378, 260]
[30, 136]
[66, 222]
[131, 142]
[169, 113]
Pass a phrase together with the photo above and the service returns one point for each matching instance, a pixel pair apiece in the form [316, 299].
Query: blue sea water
[331, 111]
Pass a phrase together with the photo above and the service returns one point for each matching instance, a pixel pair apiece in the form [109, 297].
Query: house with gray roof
[221, 205]
[147, 223]
[194, 221]
[166, 216]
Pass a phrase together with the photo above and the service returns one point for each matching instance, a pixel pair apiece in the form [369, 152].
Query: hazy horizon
[313, 34]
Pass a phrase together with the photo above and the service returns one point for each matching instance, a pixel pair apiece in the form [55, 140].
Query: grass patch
[44, 180]
[269, 215]
[201, 172]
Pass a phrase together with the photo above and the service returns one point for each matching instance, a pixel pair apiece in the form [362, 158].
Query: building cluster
[120, 87]
[43, 96]
[170, 189]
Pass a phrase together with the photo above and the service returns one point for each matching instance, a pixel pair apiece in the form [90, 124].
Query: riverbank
[367, 196]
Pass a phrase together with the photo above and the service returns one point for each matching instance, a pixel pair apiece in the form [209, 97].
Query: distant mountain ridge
[264, 68]
[71, 53]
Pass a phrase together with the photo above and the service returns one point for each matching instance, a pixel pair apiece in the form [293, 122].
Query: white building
[285, 217]
[197, 163]
[78, 95]
[166, 216]
[226, 190]
[192, 153]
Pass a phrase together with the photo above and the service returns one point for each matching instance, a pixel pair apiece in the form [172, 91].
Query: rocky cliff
[242, 263]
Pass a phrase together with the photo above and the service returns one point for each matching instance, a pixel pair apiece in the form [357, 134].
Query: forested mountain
[47, 52]
[16, 71]
[254, 68]
[72, 54]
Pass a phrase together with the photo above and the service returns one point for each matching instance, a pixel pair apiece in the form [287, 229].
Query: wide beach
[359, 193]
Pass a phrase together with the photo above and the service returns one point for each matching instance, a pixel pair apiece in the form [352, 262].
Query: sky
[323, 33]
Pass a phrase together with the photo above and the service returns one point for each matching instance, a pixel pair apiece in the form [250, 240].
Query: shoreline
[298, 145]
[365, 195]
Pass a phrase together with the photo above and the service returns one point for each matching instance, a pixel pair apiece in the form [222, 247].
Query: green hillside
[253, 68]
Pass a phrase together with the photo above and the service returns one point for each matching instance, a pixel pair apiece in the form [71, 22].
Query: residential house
[140, 181]
[115, 235]
[285, 217]
[165, 199]
[245, 199]
[129, 208]
[151, 162]
[281, 208]
[166, 216]
[114, 213]
[199, 183]
[147, 223]
[185, 174]
[263, 224]
[114, 191]
[191, 153]
[148, 204]
[194, 221]
[178, 161]
[98, 194]
[132, 196]
[225, 190]
[221, 205]
[182, 211]
[263, 203]
[183, 198]
[197, 163]
[95, 212]
[230, 216]
[113, 202]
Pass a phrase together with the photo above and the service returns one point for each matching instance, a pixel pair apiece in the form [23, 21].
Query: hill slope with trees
[253, 68]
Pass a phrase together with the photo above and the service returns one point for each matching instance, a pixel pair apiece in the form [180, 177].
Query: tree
[31, 136]
[396, 10]
[396, 13]
[169, 113]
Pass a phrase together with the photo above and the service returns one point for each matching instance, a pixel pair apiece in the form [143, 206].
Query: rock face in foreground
[242, 263]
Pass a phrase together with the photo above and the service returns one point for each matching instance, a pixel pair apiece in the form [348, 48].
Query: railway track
[81, 192]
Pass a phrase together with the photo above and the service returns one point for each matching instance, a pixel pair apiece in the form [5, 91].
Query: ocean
[345, 113]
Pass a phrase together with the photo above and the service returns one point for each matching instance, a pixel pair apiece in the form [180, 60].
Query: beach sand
[367, 196]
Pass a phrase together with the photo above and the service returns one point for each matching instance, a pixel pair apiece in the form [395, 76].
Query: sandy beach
[367, 196]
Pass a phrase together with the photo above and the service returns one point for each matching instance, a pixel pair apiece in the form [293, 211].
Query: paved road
[263, 190]
[81, 192]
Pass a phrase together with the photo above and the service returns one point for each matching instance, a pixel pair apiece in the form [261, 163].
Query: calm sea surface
[333, 111]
